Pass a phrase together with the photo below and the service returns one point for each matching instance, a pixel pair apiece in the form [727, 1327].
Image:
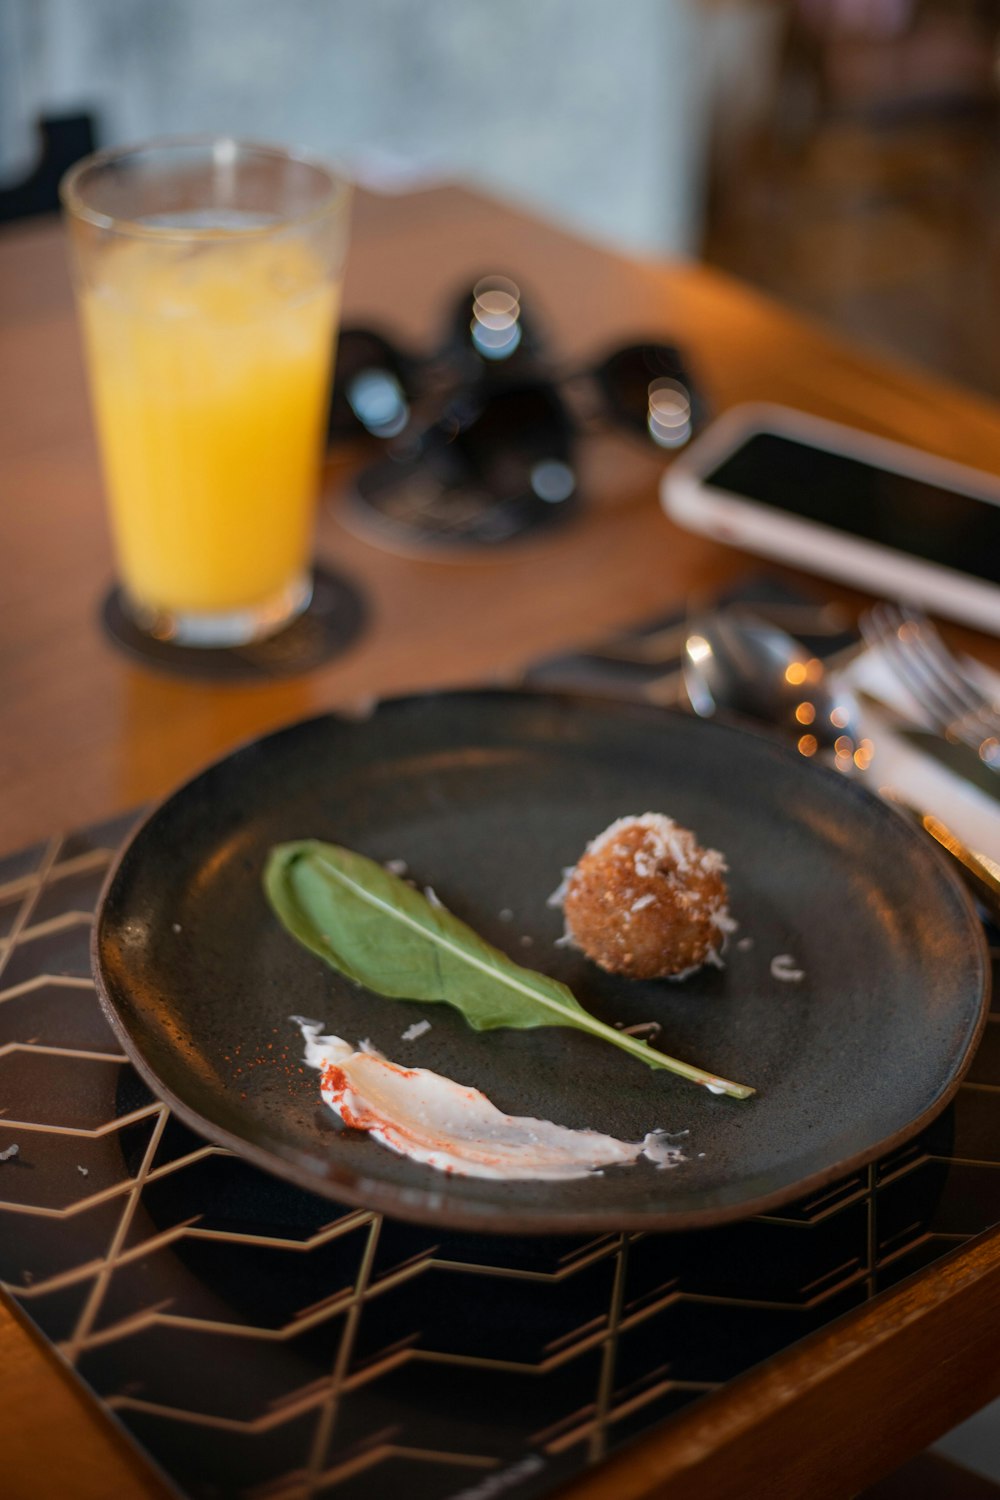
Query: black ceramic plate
[487, 796]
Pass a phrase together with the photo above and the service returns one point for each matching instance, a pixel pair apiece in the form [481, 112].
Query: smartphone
[873, 513]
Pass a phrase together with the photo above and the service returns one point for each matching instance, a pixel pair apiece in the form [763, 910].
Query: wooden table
[84, 733]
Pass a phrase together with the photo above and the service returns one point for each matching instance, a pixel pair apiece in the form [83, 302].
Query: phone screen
[955, 530]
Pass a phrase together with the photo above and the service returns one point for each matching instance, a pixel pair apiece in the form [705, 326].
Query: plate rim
[394, 1202]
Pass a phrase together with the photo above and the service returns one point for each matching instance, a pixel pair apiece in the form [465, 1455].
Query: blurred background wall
[843, 155]
[866, 189]
[597, 112]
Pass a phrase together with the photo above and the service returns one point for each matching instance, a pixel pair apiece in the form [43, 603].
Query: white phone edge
[809, 545]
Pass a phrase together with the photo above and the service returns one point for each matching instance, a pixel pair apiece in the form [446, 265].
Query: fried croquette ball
[647, 901]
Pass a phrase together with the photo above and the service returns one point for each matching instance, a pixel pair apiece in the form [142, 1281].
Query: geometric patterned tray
[255, 1340]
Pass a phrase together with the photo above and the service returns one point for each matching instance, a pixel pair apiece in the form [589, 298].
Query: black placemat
[257, 1341]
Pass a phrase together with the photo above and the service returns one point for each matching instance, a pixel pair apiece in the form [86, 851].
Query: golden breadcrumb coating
[647, 901]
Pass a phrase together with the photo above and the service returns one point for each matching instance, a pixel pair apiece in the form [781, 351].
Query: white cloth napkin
[897, 764]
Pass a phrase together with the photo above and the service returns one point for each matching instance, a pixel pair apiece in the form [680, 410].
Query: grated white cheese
[784, 967]
[665, 840]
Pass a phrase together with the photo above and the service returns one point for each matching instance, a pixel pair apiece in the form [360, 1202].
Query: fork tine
[929, 670]
[922, 634]
[896, 636]
[977, 720]
[939, 673]
[883, 627]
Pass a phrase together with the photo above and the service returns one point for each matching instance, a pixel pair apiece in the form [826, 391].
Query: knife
[961, 760]
[978, 873]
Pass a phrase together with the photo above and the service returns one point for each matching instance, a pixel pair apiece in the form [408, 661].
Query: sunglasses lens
[648, 388]
[371, 387]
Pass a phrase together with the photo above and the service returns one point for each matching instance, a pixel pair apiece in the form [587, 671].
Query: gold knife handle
[976, 872]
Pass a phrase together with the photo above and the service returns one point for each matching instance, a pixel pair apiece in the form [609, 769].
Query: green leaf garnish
[379, 931]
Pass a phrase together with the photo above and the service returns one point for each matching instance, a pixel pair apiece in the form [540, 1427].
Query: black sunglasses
[479, 435]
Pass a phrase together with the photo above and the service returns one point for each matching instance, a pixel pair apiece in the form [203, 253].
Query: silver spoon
[740, 664]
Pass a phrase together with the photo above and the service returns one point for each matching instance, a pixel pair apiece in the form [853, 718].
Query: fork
[955, 705]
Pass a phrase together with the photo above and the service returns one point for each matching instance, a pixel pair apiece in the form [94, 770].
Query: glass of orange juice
[208, 276]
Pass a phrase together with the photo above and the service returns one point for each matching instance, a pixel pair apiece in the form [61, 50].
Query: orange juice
[210, 366]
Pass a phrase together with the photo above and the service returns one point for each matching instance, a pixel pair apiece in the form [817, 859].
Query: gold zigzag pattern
[340, 1383]
[295, 1404]
[32, 891]
[328, 1411]
[298, 1486]
[572, 1434]
[378, 1455]
[590, 1425]
[42, 981]
[188, 1229]
[92, 1306]
[80, 1131]
[44, 1049]
[605, 1385]
[65, 919]
[830, 1285]
[80, 864]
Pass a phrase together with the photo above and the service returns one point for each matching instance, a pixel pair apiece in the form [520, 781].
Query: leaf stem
[657, 1059]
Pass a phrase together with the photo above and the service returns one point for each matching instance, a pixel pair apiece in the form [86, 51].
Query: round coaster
[335, 617]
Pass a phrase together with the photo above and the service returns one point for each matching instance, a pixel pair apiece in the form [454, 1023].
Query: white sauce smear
[455, 1128]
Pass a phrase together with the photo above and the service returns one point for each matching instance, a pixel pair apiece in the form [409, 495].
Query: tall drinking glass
[208, 276]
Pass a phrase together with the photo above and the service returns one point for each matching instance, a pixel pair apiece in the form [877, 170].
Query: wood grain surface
[85, 733]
